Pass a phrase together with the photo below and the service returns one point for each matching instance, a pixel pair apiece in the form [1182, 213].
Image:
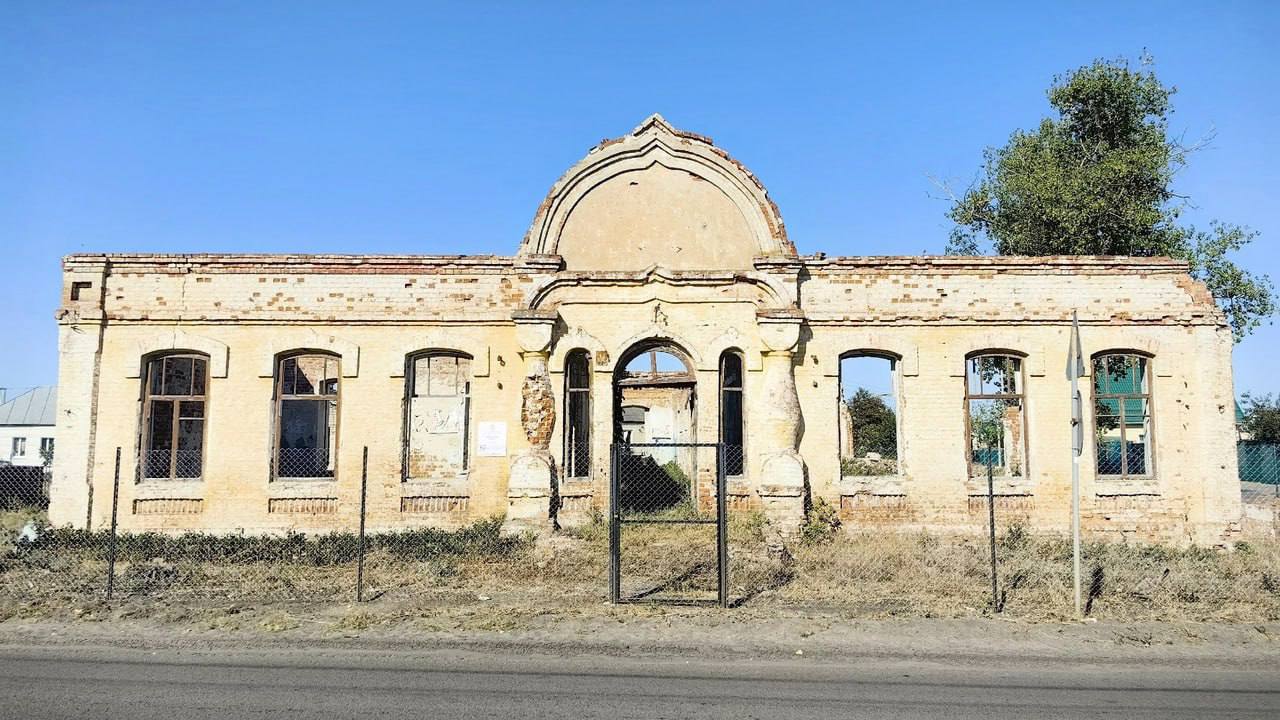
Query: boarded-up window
[996, 419]
[437, 416]
[306, 416]
[173, 416]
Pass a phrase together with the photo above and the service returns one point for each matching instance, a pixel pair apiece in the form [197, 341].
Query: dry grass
[927, 575]
[862, 575]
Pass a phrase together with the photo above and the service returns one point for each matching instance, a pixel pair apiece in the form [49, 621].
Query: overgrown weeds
[859, 573]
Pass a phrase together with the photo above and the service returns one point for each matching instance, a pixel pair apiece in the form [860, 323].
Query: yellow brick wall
[930, 312]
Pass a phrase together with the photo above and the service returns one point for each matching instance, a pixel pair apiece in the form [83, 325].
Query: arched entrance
[667, 538]
[658, 376]
[655, 402]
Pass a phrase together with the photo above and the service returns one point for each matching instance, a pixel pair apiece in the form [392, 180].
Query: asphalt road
[70, 682]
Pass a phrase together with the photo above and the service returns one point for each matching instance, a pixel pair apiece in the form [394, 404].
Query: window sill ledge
[445, 487]
[1004, 486]
[154, 489]
[1104, 486]
[296, 488]
[873, 485]
[576, 487]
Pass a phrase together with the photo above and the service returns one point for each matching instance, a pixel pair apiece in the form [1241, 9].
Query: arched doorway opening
[655, 395]
[655, 407]
[667, 490]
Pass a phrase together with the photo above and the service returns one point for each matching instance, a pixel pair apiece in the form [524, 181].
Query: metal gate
[667, 534]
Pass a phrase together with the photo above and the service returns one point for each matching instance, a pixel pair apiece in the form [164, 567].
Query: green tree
[1096, 180]
[1261, 417]
[875, 427]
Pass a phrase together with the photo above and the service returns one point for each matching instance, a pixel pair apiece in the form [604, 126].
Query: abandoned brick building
[655, 297]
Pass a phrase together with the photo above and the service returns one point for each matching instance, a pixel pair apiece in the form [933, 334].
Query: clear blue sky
[437, 128]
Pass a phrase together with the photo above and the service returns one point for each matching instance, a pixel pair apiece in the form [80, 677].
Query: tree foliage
[875, 427]
[1096, 180]
[1261, 417]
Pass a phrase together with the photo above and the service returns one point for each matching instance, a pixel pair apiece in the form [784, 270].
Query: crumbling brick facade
[655, 236]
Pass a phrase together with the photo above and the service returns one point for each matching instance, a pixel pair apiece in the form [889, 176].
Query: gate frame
[616, 520]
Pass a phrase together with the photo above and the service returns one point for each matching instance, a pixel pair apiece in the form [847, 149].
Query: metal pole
[615, 532]
[364, 486]
[991, 524]
[111, 548]
[722, 528]
[1075, 368]
[1075, 501]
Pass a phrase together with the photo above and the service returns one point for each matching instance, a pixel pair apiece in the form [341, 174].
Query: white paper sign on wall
[491, 440]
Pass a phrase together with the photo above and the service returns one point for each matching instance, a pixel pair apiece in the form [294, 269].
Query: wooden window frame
[279, 397]
[148, 400]
[406, 409]
[741, 390]
[573, 469]
[1148, 399]
[1021, 396]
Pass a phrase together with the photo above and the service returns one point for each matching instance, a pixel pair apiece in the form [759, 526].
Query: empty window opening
[306, 416]
[79, 288]
[173, 417]
[731, 413]
[868, 416]
[437, 416]
[657, 364]
[1122, 414]
[577, 413]
[996, 417]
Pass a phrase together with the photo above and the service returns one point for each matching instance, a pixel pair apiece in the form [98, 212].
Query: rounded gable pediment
[658, 197]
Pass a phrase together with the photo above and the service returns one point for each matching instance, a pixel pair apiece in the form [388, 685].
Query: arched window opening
[306, 440]
[732, 436]
[437, 416]
[868, 415]
[996, 416]
[173, 417]
[577, 414]
[1122, 419]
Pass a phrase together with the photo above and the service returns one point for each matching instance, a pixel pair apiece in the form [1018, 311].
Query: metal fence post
[111, 548]
[615, 531]
[364, 493]
[991, 524]
[722, 528]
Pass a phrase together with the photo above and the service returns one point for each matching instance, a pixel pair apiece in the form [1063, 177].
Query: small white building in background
[26, 425]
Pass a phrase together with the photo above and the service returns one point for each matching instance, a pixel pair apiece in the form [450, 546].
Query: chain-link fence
[867, 556]
[667, 540]
[1259, 465]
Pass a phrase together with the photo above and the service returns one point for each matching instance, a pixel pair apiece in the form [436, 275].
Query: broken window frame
[734, 453]
[577, 440]
[1019, 394]
[411, 392]
[155, 391]
[895, 364]
[333, 411]
[1132, 359]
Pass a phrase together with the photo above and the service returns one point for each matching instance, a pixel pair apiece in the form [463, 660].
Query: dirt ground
[644, 629]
